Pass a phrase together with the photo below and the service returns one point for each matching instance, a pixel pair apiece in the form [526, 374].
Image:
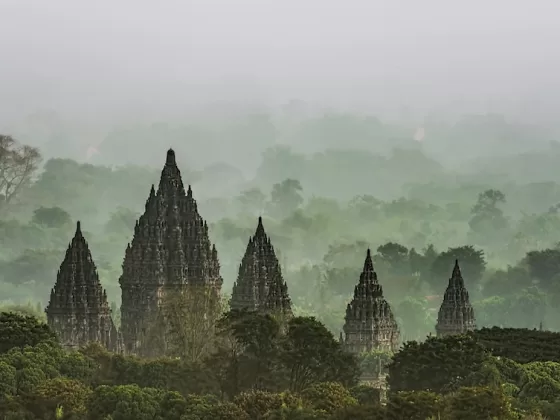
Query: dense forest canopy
[257, 372]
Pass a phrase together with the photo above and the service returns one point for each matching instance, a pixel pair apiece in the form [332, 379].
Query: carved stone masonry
[456, 314]
[369, 322]
[169, 250]
[78, 311]
[260, 285]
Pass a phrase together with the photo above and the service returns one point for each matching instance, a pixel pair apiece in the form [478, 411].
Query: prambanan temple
[78, 310]
[260, 285]
[456, 314]
[171, 249]
[369, 321]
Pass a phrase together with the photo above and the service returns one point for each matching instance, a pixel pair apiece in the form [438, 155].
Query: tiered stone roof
[260, 285]
[78, 310]
[369, 322]
[456, 314]
[170, 249]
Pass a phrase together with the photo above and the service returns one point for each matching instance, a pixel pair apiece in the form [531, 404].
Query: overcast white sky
[82, 57]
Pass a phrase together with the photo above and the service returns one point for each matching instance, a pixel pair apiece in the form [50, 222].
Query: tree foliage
[18, 164]
[521, 345]
[311, 354]
[449, 378]
[328, 396]
[486, 213]
[437, 364]
[478, 403]
[419, 405]
[472, 262]
[52, 217]
[544, 265]
[188, 317]
[286, 197]
[255, 353]
[22, 330]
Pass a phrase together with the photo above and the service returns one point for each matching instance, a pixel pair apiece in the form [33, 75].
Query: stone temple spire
[456, 314]
[169, 250]
[260, 285]
[78, 311]
[369, 322]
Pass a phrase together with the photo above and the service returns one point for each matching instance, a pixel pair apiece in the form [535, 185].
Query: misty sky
[111, 57]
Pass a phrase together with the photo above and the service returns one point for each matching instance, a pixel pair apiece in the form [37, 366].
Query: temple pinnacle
[456, 267]
[368, 263]
[260, 228]
[456, 276]
[170, 157]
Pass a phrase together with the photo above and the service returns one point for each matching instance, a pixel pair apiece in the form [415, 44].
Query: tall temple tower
[369, 322]
[456, 314]
[169, 250]
[260, 285]
[78, 311]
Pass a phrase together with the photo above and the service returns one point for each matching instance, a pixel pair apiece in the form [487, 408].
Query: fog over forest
[378, 183]
[428, 125]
